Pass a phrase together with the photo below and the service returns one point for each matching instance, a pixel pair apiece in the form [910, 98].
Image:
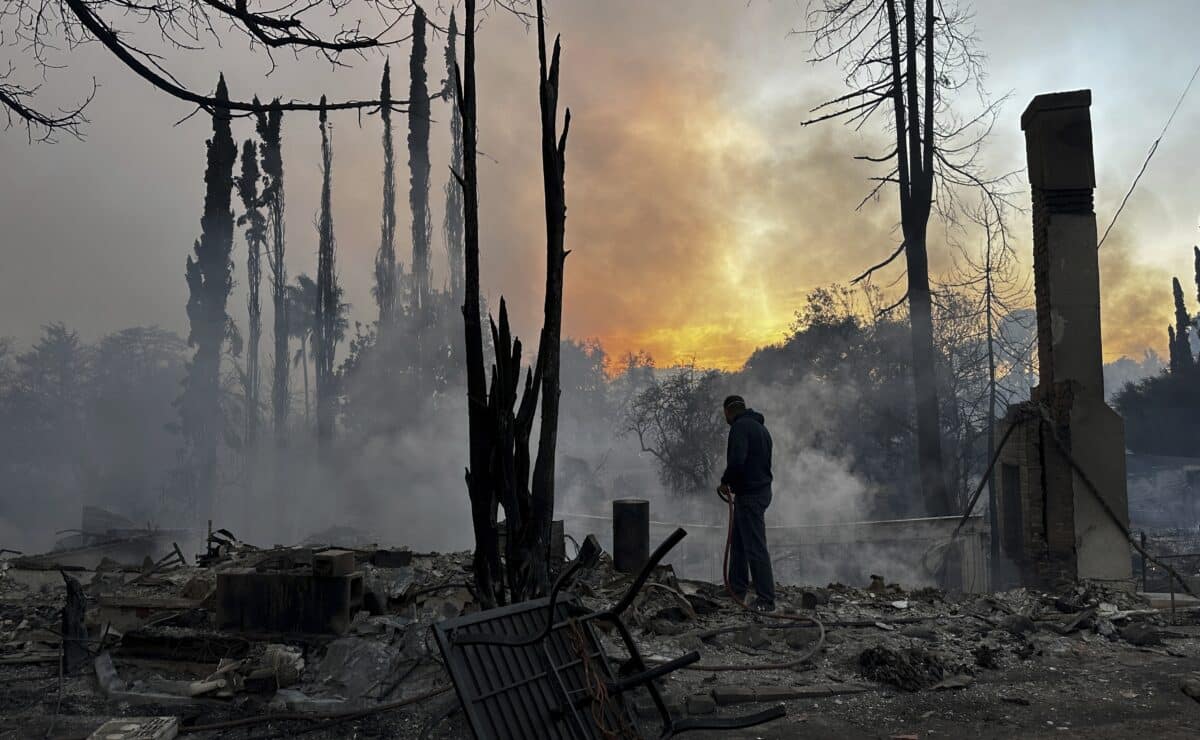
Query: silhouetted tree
[1196, 268]
[677, 420]
[302, 304]
[385, 258]
[452, 224]
[1181, 344]
[486, 562]
[326, 313]
[269, 124]
[209, 280]
[43, 423]
[256, 236]
[912, 58]
[994, 292]
[135, 375]
[554, 147]
[1160, 413]
[420, 307]
[302, 300]
[418, 167]
[44, 28]
[52, 377]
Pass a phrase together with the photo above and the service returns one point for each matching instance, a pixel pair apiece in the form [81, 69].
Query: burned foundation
[1062, 504]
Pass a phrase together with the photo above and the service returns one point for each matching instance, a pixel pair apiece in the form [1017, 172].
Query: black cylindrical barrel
[631, 534]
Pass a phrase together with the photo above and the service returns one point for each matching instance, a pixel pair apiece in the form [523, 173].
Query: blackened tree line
[87, 417]
[839, 385]
[1162, 412]
[413, 350]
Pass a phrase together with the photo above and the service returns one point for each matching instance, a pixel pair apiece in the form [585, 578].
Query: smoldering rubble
[234, 641]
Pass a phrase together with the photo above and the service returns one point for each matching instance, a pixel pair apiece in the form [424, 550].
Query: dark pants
[748, 556]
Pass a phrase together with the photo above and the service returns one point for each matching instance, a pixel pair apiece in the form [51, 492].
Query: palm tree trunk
[304, 369]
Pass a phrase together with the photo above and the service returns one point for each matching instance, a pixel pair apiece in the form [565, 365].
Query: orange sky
[699, 211]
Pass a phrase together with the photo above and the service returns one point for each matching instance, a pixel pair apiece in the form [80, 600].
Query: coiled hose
[783, 666]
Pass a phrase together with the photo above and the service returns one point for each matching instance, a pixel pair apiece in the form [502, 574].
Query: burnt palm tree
[302, 316]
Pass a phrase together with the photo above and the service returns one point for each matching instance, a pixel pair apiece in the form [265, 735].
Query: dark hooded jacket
[748, 470]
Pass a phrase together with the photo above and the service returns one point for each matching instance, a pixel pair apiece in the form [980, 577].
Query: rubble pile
[869, 656]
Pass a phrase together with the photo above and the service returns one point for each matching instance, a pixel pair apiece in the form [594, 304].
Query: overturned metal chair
[537, 669]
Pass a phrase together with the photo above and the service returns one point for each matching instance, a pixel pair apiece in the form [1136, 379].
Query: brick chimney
[1054, 526]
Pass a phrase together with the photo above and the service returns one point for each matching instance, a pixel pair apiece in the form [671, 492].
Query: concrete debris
[1191, 687]
[701, 704]
[138, 728]
[956, 681]
[909, 669]
[1142, 635]
[1013, 657]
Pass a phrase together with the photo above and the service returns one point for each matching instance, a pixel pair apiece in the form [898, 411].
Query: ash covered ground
[893, 662]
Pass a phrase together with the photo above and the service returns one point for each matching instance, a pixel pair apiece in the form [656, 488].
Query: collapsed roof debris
[894, 660]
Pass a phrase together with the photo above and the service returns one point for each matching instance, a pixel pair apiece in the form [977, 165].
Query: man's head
[733, 406]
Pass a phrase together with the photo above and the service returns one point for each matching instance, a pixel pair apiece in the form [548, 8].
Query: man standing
[748, 478]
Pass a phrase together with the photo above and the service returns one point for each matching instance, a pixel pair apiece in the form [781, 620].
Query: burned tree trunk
[418, 163]
[500, 436]
[553, 172]
[452, 224]
[256, 233]
[209, 278]
[510, 471]
[385, 259]
[916, 186]
[486, 565]
[269, 125]
[418, 194]
[904, 55]
[75, 654]
[326, 310]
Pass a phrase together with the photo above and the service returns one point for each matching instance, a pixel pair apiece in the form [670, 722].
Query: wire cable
[1149, 155]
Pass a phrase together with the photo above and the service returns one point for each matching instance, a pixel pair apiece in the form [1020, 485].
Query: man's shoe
[763, 607]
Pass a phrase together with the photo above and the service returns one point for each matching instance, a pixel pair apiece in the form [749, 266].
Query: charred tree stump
[75, 654]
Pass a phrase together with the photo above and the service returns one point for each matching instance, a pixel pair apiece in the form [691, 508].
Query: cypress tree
[418, 165]
[1182, 355]
[326, 313]
[269, 124]
[209, 274]
[1196, 253]
[1172, 349]
[452, 224]
[385, 259]
[256, 234]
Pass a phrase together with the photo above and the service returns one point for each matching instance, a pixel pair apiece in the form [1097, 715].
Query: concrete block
[333, 563]
[394, 558]
[248, 601]
[701, 704]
